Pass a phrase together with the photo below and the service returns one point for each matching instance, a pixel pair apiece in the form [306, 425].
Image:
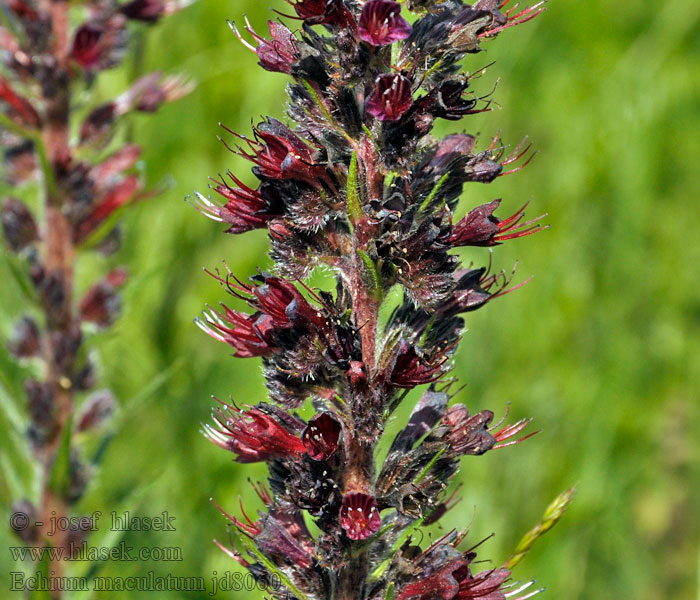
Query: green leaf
[270, 566]
[43, 567]
[59, 481]
[389, 592]
[353, 198]
[19, 274]
[375, 281]
[431, 196]
[20, 470]
[550, 518]
[429, 466]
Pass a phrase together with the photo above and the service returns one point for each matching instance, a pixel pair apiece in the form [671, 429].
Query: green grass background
[602, 348]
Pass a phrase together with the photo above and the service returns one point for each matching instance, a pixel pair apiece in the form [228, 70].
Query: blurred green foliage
[602, 348]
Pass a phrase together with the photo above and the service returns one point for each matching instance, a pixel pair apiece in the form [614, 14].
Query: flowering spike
[354, 183]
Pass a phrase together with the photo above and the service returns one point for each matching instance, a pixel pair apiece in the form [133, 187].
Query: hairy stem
[58, 260]
[359, 471]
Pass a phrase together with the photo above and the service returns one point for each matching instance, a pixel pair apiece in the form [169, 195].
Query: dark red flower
[359, 515]
[324, 12]
[101, 304]
[277, 54]
[245, 208]
[468, 434]
[113, 198]
[454, 581]
[279, 306]
[26, 338]
[321, 436]
[481, 228]
[381, 23]
[279, 153]
[118, 162]
[356, 373]
[445, 101]
[99, 45]
[440, 584]
[149, 92]
[282, 301]
[482, 586]
[391, 97]
[254, 434]
[18, 224]
[472, 435]
[248, 335]
[87, 49]
[411, 370]
[96, 410]
[19, 108]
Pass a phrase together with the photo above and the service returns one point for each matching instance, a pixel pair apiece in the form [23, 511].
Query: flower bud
[25, 341]
[97, 409]
[18, 224]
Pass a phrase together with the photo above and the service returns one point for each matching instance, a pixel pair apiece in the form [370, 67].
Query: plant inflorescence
[358, 186]
[71, 171]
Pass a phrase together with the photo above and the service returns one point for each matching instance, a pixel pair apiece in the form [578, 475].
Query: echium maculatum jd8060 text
[355, 183]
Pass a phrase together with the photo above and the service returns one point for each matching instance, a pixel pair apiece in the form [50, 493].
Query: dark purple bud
[481, 228]
[99, 45]
[101, 304]
[26, 338]
[96, 410]
[321, 436]
[468, 434]
[40, 401]
[324, 12]
[64, 347]
[98, 123]
[381, 23]
[277, 54]
[148, 11]
[391, 98]
[24, 517]
[19, 162]
[79, 477]
[85, 378]
[445, 101]
[52, 291]
[359, 516]
[18, 224]
[483, 168]
[277, 542]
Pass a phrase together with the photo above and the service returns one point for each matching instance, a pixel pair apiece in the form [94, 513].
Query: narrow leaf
[353, 199]
[376, 287]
